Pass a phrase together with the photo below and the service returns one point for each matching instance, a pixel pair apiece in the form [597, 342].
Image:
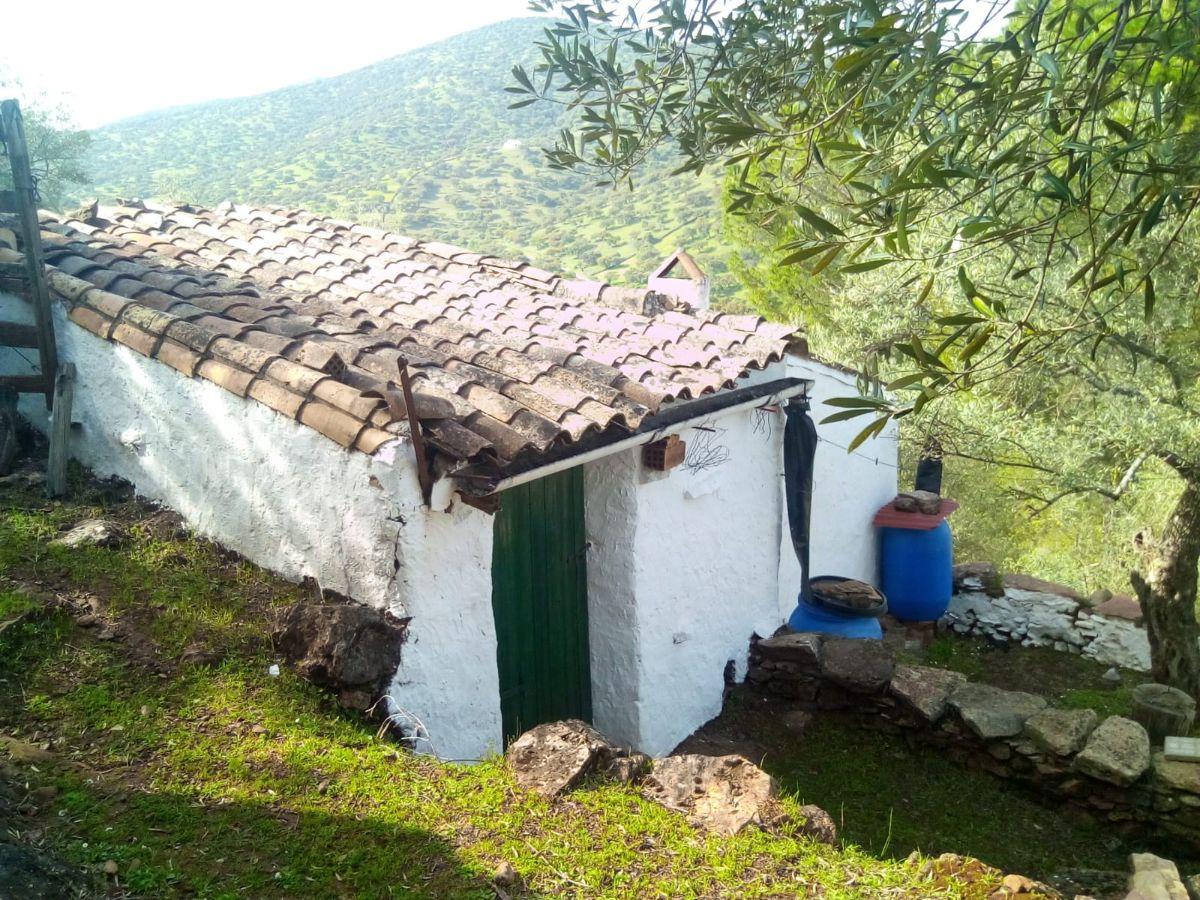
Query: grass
[891, 798]
[226, 782]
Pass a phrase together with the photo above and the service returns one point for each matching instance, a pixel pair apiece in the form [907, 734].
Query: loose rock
[994, 713]
[1155, 878]
[859, 666]
[1061, 731]
[505, 875]
[348, 647]
[926, 690]
[818, 825]
[552, 758]
[721, 794]
[1118, 752]
[92, 533]
[801, 649]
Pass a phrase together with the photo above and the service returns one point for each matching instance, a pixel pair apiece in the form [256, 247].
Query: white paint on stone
[848, 489]
[1041, 619]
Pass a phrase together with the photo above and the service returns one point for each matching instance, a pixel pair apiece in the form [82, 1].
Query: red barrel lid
[890, 517]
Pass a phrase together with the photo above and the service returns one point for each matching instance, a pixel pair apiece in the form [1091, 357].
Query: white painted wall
[683, 567]
[292, 501]
[704, 543]
[848, 488]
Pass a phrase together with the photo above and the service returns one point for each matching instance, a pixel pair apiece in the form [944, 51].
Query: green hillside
[423, 143]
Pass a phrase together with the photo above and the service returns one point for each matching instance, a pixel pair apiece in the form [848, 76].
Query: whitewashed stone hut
[243, 366]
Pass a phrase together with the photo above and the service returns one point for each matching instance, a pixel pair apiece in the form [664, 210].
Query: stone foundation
[1037, 613]
[1106, 767]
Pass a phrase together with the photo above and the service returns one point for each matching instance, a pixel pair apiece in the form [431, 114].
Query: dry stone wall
[1037, 613]
[1107, 767]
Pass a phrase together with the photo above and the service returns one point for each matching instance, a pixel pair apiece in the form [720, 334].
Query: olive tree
[1021, 188]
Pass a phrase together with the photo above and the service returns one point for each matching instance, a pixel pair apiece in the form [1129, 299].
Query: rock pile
[1107, 767]
[719, 794]
[1036, 613]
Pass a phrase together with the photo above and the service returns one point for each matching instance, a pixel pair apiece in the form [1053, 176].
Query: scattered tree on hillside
[1019, 194]
[56, 148]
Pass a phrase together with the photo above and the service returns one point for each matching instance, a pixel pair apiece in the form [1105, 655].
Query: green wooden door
[539, 599]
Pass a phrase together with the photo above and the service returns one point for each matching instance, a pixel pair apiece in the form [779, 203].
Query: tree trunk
[1168, 595]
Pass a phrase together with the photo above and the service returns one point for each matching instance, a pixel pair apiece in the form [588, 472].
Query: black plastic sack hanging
[799, 452]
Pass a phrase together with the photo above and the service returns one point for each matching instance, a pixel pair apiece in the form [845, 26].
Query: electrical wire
[874, 459]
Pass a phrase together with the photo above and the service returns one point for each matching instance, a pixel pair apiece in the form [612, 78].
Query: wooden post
[13, 131]
[60, 432]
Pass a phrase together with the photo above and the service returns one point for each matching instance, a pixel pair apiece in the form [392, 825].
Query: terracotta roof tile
[313, 318]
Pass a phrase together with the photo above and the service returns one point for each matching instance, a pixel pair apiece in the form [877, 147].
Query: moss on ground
[225, 782]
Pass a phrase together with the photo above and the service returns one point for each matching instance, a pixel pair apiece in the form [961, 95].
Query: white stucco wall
[683, 566]
[704, 543]
[292, 501]
[848, 488]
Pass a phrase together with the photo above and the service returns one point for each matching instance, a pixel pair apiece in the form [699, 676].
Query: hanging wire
[860, 454]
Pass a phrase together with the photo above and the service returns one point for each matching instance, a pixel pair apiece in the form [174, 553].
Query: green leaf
[1050, 64]
[817, 221]
[976, 344]
[856, 402]
[1057, 188]
[870, 431]
[965, 282]
[1119, 130]
[866, 266]
[1152, 216]
[845, 414]
[1148, 298]
[906, 381]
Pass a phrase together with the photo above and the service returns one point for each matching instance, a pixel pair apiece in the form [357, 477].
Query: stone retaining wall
[1038, 613]
[1104, 766]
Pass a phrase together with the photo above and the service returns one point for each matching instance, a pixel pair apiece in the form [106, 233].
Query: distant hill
[423, 143]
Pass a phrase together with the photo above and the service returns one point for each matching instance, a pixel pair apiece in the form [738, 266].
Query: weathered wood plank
[27, 384]
[14, 334]
[60, 432]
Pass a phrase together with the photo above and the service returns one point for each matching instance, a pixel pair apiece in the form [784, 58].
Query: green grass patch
[892, 799]
[226, 782]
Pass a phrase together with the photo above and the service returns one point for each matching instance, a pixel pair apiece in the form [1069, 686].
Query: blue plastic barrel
[809, 617]
[916, 571]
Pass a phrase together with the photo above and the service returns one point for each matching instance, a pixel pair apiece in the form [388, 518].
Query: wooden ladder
[28, 278]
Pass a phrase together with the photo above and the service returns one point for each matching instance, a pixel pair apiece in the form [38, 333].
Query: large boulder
[1062, 732]
[859, 666]
[721, 794]
[1154, 878]
[925, 690]
[351, 648]
[1118, 752]
[551, 759]
[993, 713]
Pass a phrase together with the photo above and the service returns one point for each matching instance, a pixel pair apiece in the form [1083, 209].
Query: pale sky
[106, 61]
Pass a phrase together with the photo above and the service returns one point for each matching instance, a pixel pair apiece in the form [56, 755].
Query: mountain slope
[423, 143]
